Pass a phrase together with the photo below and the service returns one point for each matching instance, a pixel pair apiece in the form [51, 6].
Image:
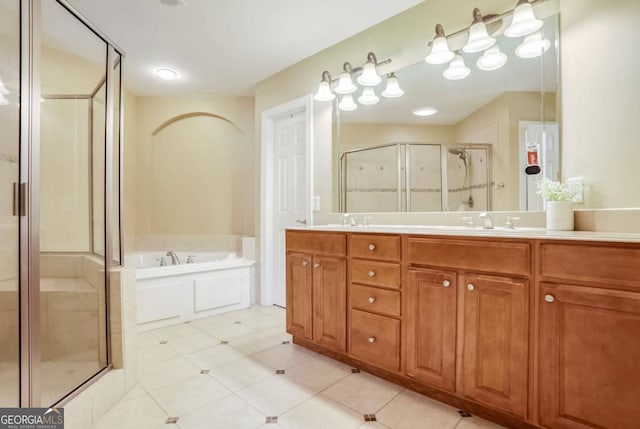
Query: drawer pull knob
[372, 247]
[471, 287]
[372, 340]
[446, 283]
[549, 298]
[372, 273]
[372, 299]
[305, 263]
[316, 265]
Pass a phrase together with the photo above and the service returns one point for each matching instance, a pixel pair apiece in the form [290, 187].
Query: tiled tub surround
[528, 328]
[240, 370]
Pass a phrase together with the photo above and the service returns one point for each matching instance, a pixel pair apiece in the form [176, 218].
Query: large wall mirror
[455, 144]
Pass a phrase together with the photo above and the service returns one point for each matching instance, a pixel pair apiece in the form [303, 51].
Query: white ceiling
[224, 47]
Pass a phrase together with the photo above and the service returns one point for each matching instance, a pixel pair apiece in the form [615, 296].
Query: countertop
[463, 231]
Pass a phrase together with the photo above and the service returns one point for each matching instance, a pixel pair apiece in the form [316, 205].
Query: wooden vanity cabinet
[448, 276]
[317, 287]
[589, 340]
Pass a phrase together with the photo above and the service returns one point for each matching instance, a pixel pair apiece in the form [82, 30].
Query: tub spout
[174, 258]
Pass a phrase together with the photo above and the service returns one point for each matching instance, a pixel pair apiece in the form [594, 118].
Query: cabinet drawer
[375, 300]
[323, 243]
[502, 257]
[605, 264]
[374, 246]
[375, 273]
[375, 340]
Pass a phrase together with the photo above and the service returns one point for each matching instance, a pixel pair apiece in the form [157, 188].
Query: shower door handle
[19, 199]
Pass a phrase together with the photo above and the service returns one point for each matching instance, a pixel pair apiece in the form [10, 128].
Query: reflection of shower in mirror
[465, 203]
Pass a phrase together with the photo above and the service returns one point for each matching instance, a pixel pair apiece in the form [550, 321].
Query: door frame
[267, 216]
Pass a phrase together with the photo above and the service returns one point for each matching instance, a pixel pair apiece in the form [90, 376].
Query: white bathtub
[216, 282]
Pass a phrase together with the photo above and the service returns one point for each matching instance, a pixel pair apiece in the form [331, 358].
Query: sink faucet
[487, 222]
[349, 220]
[174, 258]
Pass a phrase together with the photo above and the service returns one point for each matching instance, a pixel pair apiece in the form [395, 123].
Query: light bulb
[324, 92]
[369, 76]
[345, 84]
[368, 97]
[347, 104]
[533, 46]
[479, 39]
[393, 89]
[524, 21]
[457, 70]
[492, 59]
[440, 52]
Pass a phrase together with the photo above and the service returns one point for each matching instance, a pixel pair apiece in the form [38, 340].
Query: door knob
[372, 273]
[372, 247]
[305, 263]
[549, 298]
[301, 221]
[372, 299]
[372, 340]
[471, 287]
[316, 265]
[446, 283]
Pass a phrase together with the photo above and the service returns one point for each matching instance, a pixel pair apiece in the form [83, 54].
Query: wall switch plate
[315, 204]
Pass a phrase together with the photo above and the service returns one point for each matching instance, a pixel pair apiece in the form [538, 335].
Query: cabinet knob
[305, 263]
[316, 265]
[446, 283]
[372, 273]
[372, 299]
[372, 340]
[372, 246]
[471, 287]
[549, 298]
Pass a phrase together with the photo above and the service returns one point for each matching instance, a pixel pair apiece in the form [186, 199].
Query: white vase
[560, 215]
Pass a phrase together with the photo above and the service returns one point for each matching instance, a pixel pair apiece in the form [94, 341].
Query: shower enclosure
[60, 135]
[411, 177]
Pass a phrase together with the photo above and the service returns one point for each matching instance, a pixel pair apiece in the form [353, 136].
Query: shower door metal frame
[29, 176]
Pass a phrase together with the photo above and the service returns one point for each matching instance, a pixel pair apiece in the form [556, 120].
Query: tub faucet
[487, 222]
[174, 258]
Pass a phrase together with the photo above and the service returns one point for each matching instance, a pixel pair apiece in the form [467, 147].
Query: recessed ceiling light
[167, 74]
[425, 111]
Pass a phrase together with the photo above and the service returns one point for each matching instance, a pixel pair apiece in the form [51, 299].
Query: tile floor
[240, 370]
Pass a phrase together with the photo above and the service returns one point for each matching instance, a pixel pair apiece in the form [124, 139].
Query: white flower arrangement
[556, 191]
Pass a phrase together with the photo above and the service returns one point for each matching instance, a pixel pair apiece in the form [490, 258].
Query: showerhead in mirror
[462, 154]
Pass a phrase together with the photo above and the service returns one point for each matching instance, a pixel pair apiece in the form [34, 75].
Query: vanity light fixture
[492, 59]
[3, 101]
[479, 39]
[324, 89]
[167, 74]
[425, 111]
[393, 89]
[440, 52]
[347, 104]
[369, 76]
[457, 70]
[533, 46]
[524, 21]
[345, 84]
[368, 97]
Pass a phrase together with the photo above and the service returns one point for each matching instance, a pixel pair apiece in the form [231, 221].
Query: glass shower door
[9, 221]
[73, 331]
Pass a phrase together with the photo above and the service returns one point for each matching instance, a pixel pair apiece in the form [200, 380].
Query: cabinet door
[589, 358]
[330, 302]
[430, 321]
[495, 342]
[299, 295]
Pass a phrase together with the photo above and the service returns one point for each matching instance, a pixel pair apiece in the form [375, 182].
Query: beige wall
[195, 176]
[600, 93]
[130, 106]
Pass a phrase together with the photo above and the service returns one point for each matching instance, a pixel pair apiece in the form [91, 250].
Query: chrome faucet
[174, 258]
[487, 222]
[349, 220]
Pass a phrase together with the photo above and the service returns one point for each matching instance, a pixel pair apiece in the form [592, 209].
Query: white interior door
[291, 202]
[546, 137]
